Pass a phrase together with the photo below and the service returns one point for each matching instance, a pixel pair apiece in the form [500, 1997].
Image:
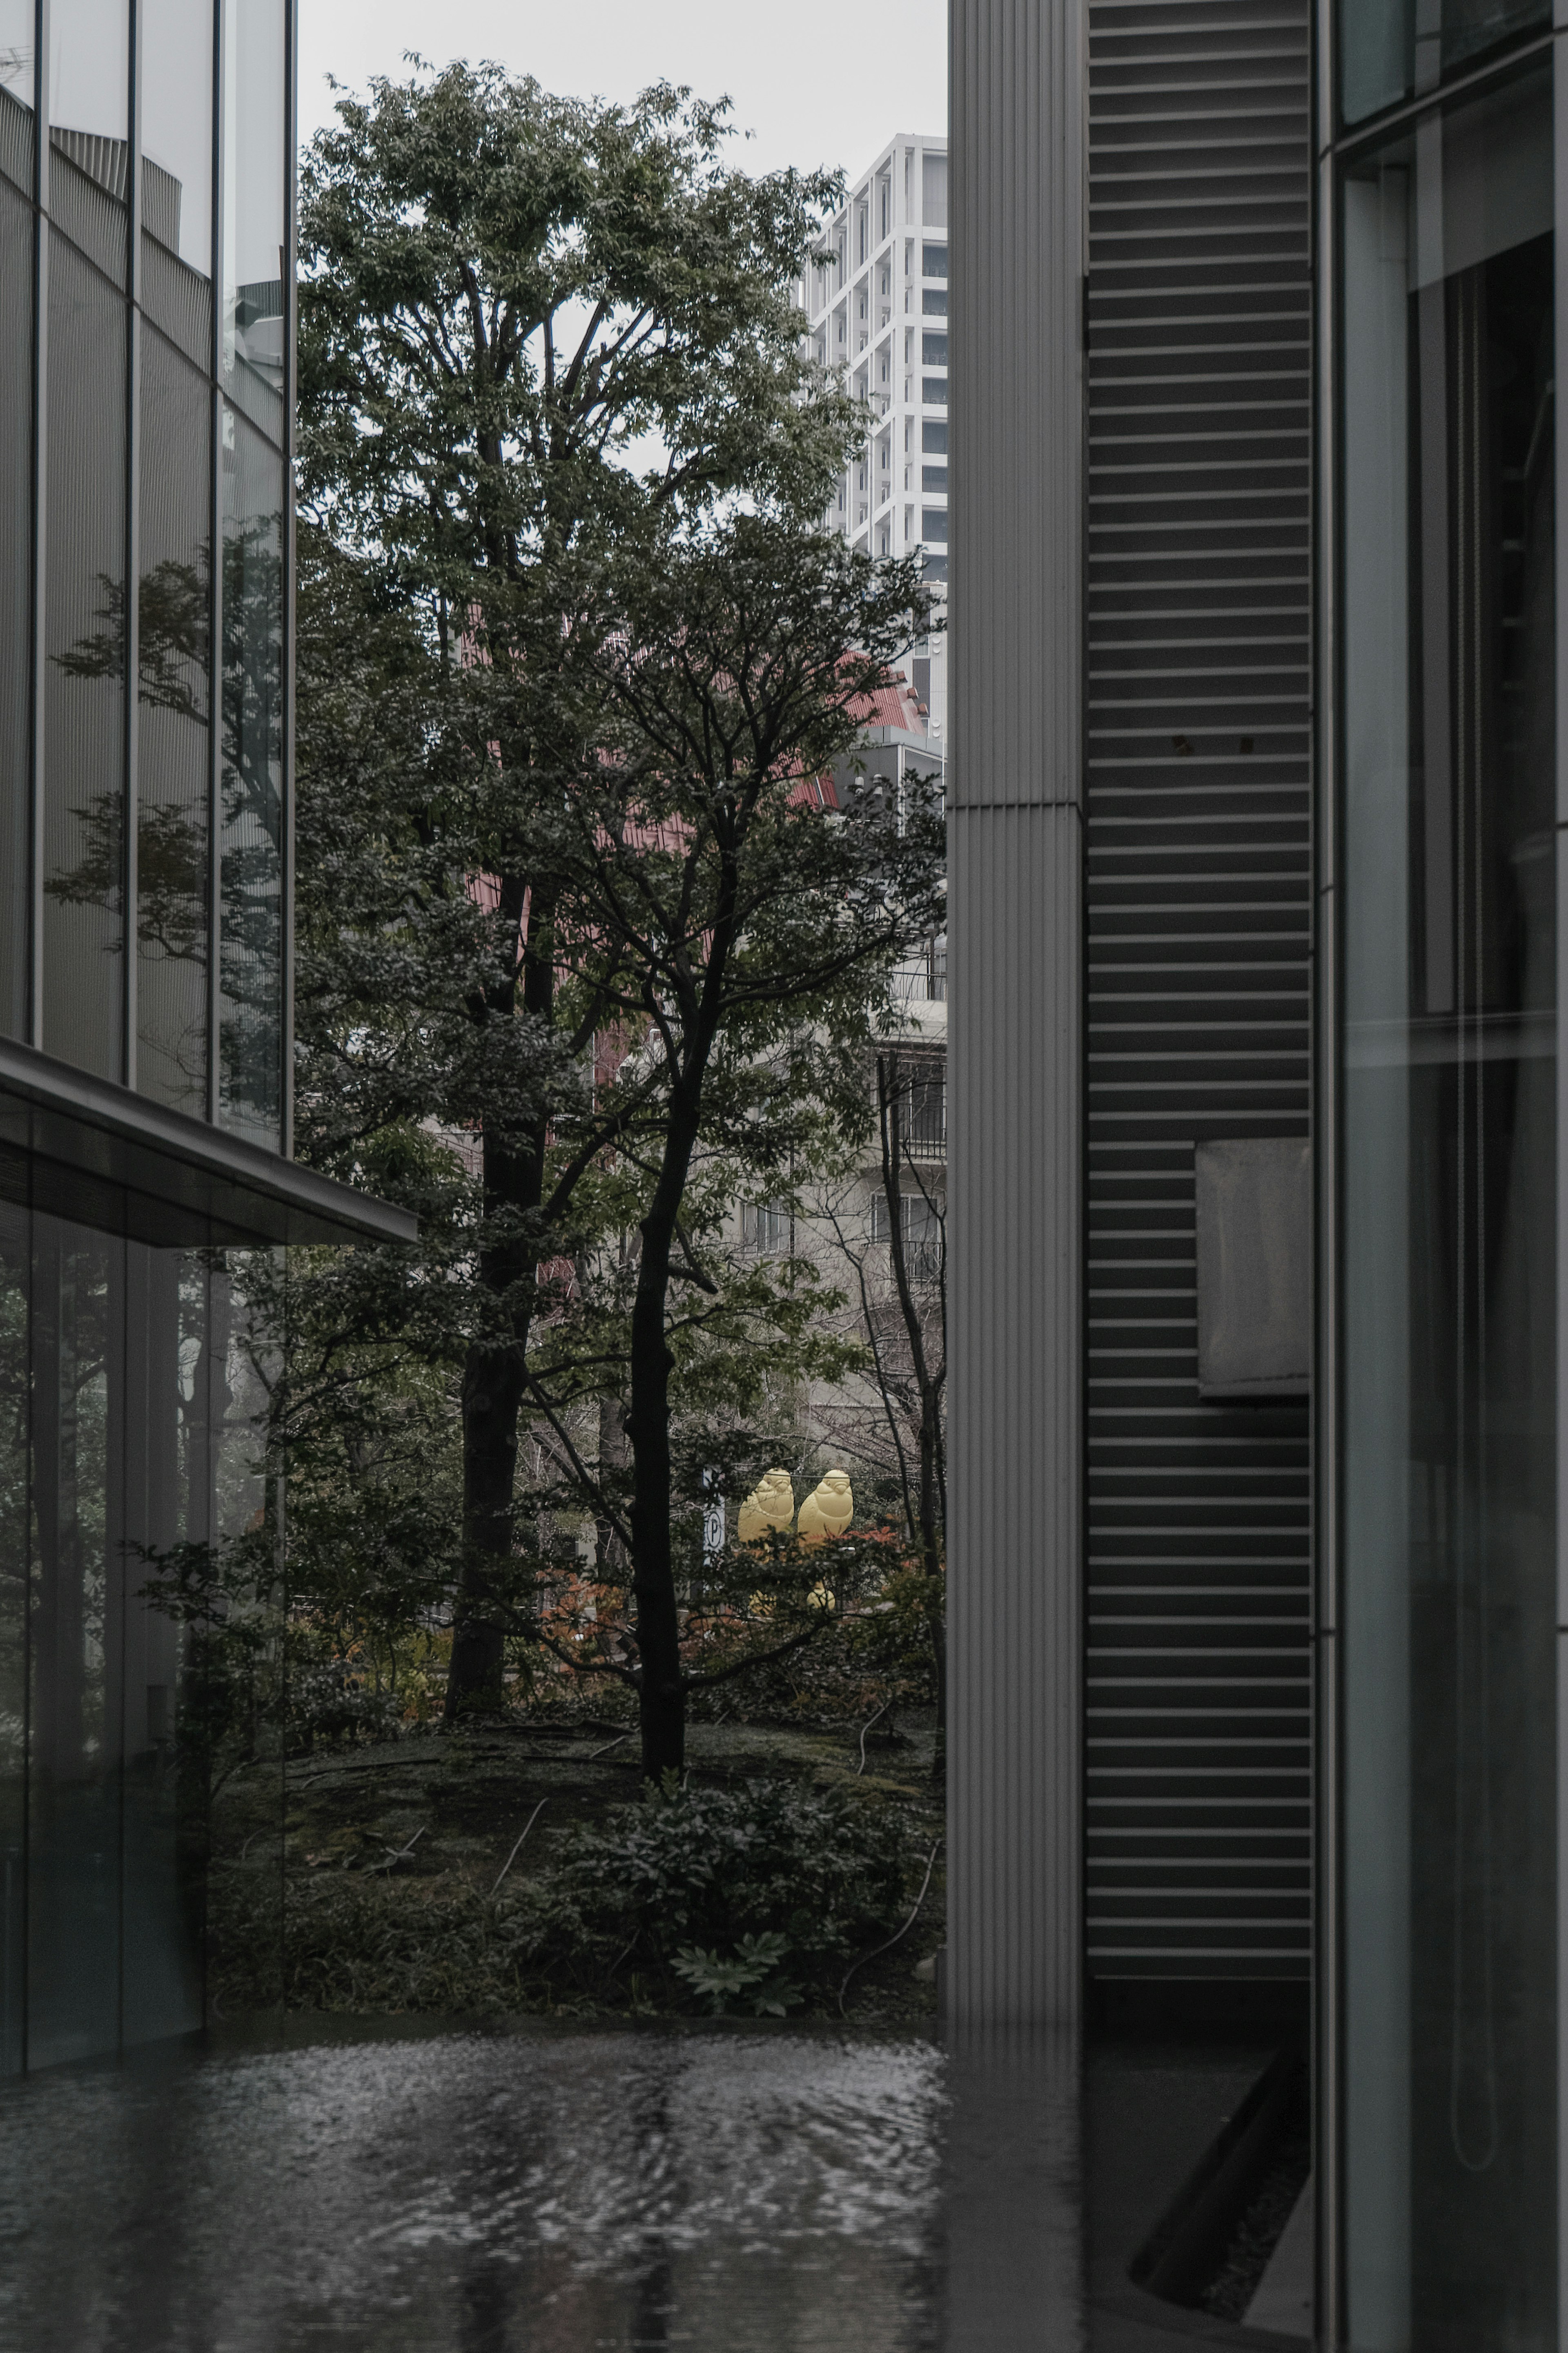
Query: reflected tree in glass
[173, 835]
[250, 968]
[16, 1553]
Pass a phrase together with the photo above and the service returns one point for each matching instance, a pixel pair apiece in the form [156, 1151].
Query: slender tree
[747, 930]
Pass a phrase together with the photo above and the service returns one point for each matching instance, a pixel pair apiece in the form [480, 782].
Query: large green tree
[533, 330]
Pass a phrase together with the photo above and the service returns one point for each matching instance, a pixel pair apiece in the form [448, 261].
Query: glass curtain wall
[1446, 1604]
[251, 857]
[162, 394]
[1391, 48]
[17, 150]
[126, 1432]
[174, 767]
[86, 347]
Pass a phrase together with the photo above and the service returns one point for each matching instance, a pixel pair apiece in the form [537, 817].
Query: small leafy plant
[706, 1893]
[755, 1971]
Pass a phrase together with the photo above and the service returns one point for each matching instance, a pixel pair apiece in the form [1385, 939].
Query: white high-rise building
[877, 307]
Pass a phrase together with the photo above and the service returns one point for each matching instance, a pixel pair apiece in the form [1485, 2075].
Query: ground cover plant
[389, 1877]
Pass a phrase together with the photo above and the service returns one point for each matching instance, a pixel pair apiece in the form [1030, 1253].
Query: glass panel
[74, 1849]
[251, 850]
[247, 1836]
[16, 1547]
[1390, 47]
[1449, 1193]
[254, 215]
[176, 38]
[176, 127]
[15, 583]
[173, 777]
[85, 641]
[17, 30]
[127, 1374]
[89, 109]
[162, 1925]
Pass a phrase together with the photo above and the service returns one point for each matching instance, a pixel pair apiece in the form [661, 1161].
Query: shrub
[756, 1897]
[336, 1700]
[705, 1885]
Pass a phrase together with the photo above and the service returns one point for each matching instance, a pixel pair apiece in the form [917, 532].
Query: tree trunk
[661, 1695]
[930, 1548]
[494, 1371]
[928, 1384]
[492, 1393]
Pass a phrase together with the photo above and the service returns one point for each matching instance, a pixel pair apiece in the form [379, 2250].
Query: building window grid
[227, 424]
[875, 264]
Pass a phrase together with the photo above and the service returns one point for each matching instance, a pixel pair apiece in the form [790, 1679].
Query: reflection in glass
[16, 566]
[160, 1989]
[74, 1830]
[176, 38]
[172, 834]
[17, 36]
[85, 702]
[90, 113]
[16, 1547]
[125, 1393]
[251, 847]
[255, 225]
[1450, 1192]
[1389, 48]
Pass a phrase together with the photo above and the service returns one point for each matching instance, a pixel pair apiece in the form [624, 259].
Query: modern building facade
[1256, 812]
[876, 307]
[146, 271]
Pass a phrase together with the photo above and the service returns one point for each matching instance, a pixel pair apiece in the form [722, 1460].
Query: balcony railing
[919, 1110]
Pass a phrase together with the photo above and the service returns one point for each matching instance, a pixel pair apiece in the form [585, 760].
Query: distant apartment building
[876, 306]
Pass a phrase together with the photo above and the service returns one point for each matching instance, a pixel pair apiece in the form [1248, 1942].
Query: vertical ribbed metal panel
[1015, 1934]
[1197, 1763]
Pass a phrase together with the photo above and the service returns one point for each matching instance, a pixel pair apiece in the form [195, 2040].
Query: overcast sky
[809, 78]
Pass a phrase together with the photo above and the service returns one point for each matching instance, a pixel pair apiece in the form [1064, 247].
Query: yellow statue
[769, 1505]
[828, 1511]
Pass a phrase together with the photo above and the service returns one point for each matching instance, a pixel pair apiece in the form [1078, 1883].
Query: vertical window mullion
[39, 517]
[132, 544]
[290, 264]
[214, 568]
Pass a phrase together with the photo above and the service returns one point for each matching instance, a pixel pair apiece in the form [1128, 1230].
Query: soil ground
[457, 1802]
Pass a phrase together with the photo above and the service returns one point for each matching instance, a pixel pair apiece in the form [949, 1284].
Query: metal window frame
[129, 917]
[1335, 147]
[214, 580]
[39, 581]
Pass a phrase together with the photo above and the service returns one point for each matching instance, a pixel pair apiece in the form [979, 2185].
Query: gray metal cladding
[1197, 913]
[1015, 974]
[1016, 247]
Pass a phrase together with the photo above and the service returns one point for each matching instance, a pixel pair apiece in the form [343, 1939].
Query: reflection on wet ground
[563, 2192]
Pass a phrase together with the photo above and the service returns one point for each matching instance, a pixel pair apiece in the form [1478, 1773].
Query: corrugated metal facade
[1016, 978]
[1198, 906]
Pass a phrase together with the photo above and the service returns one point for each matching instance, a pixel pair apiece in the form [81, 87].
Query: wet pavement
[754, 2192]
[473, 2191]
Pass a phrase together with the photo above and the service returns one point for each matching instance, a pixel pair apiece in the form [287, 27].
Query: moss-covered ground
[386, 1857]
